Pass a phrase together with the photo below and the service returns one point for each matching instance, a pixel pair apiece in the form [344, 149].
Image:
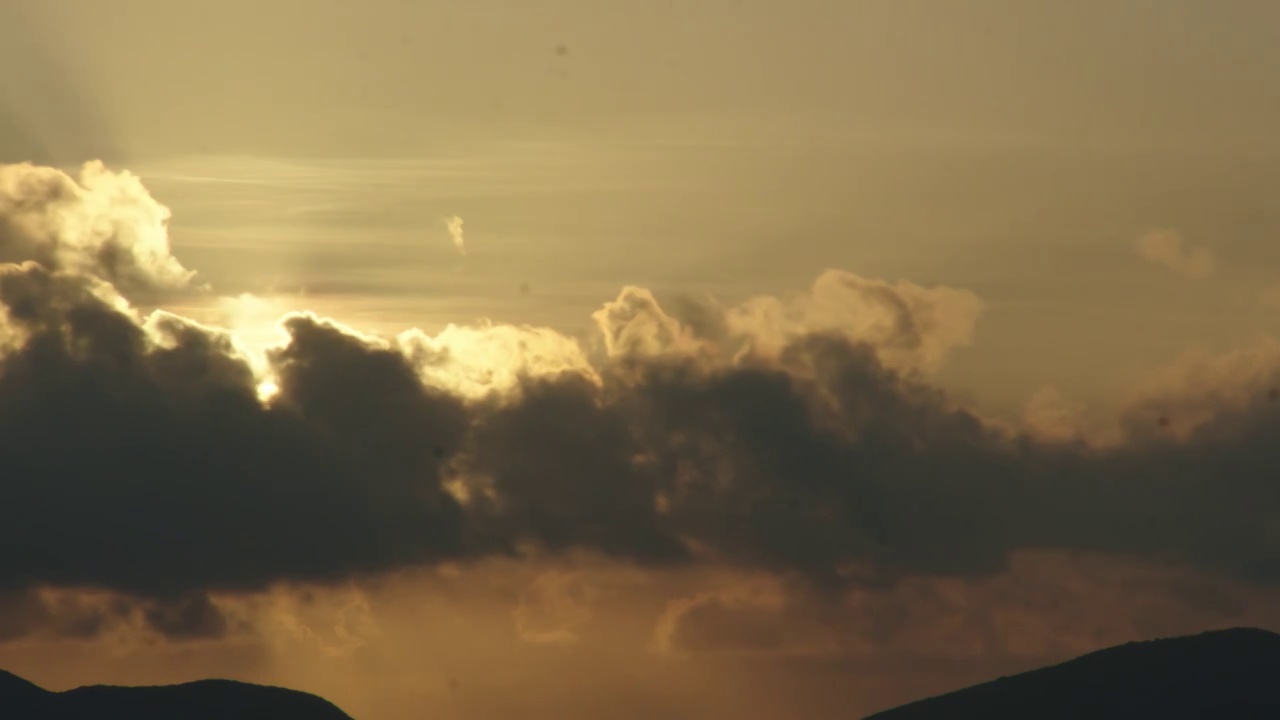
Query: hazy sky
[1056, 221]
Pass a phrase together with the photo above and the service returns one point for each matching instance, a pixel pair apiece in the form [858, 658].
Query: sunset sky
[585, 358]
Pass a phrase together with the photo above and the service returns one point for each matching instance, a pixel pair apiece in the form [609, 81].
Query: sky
[669, 358]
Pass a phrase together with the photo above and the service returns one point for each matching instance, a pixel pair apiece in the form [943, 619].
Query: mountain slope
[1223, 674]
[202, 700]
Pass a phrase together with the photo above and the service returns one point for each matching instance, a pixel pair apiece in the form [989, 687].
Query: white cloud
[99, 223]
[454, 224]
[911, 327]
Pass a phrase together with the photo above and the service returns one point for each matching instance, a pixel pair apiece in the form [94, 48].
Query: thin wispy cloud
[454, 225]
[1167, 248]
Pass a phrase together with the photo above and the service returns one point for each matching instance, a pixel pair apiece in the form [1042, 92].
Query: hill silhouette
[201, 700]
[1224, 674]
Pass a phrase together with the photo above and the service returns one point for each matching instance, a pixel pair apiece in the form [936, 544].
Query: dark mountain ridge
[201, 700]
[1223, 674]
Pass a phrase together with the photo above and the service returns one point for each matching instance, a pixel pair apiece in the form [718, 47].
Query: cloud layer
[800, 436]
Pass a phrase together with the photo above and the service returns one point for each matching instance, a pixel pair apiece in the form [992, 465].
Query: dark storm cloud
[24, 613]
[156, 470]
[561, 463]
[77, 615]
[193, 617]
[772, 474]
[138, 457]
[151, 467]
[828, 461]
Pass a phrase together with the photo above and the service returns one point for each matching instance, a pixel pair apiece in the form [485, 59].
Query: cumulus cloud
[1167, 248]
[476, 361]
[910, 328]
[170, 475]
[454, 225]
[798, 437]
[99, 223]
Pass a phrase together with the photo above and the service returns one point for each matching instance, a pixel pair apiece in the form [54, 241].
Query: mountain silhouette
[1225, 674]
[202, 700]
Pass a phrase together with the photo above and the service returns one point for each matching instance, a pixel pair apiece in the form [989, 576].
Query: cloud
[169, 474]
[1199, 390]
[478, 360]
[910, 328]
[555, 607]
[100, 224]
[1050, 415]
[26, 613]
[747, 615]
[454, 226]
[47, 613]
[798, 437]
[1167, 248]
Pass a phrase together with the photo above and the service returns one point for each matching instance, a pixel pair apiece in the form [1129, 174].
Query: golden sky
[672, 358]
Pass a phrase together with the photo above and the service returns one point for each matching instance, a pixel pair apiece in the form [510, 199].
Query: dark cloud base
[153, 468]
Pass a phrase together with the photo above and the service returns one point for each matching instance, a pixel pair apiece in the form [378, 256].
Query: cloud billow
[100, 223]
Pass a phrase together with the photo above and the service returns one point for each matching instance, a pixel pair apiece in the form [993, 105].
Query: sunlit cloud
[454, 225]
[100, 223]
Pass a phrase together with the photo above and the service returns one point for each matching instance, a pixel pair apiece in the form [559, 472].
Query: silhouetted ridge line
[200, 700]
[12, 686]
[1223, 674]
